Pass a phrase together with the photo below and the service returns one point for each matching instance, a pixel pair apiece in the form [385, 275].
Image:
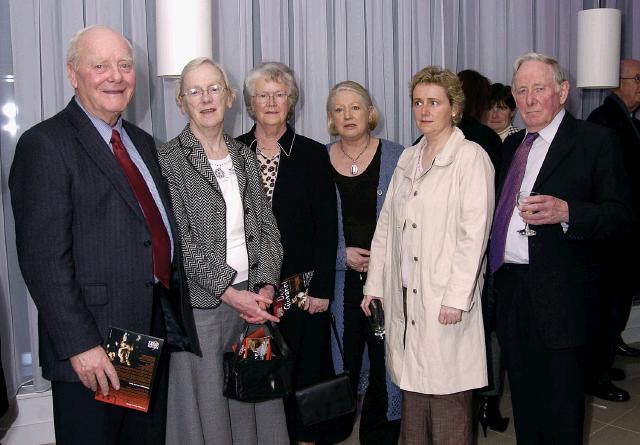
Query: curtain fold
[378, 43]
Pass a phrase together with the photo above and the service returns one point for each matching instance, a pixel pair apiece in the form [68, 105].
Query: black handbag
[250, 380]
[329, 399]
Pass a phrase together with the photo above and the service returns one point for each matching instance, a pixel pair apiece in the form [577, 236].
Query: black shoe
[489, 415]
[609, 391]
[617, 374]
[628, 351]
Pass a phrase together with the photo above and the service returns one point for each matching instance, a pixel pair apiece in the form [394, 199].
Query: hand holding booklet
[292, 294]
[135, 357]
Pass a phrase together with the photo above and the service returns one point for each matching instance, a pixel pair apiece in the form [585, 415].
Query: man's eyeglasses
[194, 93]
[636, 78]
[280, 97]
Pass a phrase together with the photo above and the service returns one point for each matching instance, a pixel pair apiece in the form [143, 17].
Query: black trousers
[374, 426]
[546, 384]
[614, 310]
[80, 419]
[495, 365]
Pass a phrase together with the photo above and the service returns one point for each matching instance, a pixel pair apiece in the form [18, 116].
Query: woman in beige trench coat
[426, 265]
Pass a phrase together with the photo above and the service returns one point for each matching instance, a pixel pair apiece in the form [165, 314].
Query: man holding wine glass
[521, 199]
[546, 274]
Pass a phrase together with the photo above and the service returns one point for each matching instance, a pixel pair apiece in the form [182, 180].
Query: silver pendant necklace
[354, 165]
[219, 169]
[219, 173]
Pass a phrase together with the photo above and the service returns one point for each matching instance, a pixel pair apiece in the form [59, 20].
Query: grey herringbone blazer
[200, 211]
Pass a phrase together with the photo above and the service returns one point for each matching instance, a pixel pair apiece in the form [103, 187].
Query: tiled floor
[607, 423]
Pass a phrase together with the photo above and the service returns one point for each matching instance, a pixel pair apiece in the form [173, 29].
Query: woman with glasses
[426, 264]
[296, 176]
[230, 245]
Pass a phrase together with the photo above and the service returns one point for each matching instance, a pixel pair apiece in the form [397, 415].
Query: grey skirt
[197, 412]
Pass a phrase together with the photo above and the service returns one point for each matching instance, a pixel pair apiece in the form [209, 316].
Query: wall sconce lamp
[183, 32]
[599, 48]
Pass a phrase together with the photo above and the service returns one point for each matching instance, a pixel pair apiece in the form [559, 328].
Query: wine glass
[522, 195]
[376, 319]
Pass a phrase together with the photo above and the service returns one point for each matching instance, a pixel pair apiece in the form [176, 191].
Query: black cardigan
[304, 204]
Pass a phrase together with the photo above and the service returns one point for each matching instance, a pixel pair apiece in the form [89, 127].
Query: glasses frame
[214, 90]
[273, 96]
[636, 78]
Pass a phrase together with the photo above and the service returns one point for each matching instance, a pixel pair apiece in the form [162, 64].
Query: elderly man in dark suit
[95, 244]
[547, 284]
[617, 113]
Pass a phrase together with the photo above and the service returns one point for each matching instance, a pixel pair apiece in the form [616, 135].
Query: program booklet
[135, 357]
[292, 294]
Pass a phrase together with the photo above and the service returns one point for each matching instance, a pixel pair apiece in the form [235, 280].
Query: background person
[498, 117]
[618, 113]
[296, 175]
[477, 96]
[352, 117]
[426, 260]
[502, 109]
[476, 88]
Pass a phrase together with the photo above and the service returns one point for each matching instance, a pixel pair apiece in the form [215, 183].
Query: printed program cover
[135, 357]
[292, 293]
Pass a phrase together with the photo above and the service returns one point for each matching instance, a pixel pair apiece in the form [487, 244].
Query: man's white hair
[73, 51]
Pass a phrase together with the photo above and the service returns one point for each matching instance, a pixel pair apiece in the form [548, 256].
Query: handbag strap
[334, 329]
[285, 352]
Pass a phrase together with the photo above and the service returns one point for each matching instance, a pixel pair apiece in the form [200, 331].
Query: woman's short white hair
[198, 62]
[273, 71]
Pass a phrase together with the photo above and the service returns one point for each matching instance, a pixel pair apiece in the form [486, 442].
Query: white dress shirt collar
[549, 132]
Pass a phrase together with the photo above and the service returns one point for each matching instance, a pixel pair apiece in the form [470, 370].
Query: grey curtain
[379, 43]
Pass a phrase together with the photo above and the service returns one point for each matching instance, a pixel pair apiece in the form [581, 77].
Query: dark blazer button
[246, 210]
[415, 258]
[250, 238]
[415, 291]
[413, 322]
[254, 265]
[147, 243]
[415, 193]
[148, 284]
[414, 225]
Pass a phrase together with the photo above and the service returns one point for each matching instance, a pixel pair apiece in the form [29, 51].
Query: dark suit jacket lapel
[91, 141]
[560, 146]
[618, 113]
